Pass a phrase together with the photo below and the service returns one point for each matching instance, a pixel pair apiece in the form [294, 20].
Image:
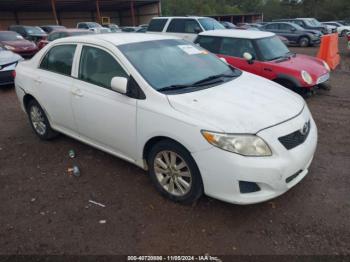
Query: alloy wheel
[38, 120]
[173, 173]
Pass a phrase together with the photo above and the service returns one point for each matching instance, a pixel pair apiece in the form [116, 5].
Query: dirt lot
[44, 211]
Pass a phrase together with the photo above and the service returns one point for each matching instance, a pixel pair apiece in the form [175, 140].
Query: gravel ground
[45, 211]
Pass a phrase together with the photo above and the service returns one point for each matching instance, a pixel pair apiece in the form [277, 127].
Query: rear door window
[59, 59]
[188, 26]
[272, 27]
[157, 25]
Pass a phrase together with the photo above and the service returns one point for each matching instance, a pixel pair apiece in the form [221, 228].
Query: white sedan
[342, 29]
[172, 108]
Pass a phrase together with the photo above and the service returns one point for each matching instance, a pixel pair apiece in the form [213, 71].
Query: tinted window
[210, 43]
[189, 26]
[286, 27]
[272, 26]
[298, 22]
[99, 67]
[237, 47]
[53, 36]
[157, 25]
[212, 24]
[59, 59]
[84, 26]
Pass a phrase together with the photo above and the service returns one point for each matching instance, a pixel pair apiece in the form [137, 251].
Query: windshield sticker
[190, 50]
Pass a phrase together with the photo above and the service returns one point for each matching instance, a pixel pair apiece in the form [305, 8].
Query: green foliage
[272, 9]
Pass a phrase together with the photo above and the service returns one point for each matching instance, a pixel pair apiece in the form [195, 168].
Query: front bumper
[221, 171]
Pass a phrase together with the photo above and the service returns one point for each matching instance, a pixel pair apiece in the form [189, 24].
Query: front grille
[297, 138]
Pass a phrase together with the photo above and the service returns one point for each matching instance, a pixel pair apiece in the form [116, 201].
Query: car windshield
[34, 30]
[210, 24]
[272, 48]
[174, 63]
[313, 22]
[10, 36]
[93, 25]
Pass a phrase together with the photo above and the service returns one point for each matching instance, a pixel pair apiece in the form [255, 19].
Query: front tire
[39, 122]
[174, 172]
[344, 32]
[304, 41]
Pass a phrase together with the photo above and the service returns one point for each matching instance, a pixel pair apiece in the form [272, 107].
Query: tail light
[14, 73]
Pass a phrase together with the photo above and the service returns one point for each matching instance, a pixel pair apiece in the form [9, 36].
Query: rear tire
[39, 122]
[304, 41]
[174, 172]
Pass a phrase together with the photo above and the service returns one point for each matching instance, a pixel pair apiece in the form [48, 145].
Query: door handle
[37, 80]
[77, 92]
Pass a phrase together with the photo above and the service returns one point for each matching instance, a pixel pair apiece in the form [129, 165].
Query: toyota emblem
[305, 129]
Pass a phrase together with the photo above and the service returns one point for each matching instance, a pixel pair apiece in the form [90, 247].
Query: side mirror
[249, 57]
[198, 30]
[293, 29]
[120, 85]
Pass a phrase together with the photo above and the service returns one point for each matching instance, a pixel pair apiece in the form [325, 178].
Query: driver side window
[98, 67]
[236, 47]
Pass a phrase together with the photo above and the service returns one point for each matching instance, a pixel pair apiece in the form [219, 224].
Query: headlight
[306, 77]
[8, 47]
[246, 145]
[326, 65]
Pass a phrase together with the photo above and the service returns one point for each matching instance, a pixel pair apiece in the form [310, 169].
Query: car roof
[70, 30]
[181, 17]
[246, 34]
[116, 38]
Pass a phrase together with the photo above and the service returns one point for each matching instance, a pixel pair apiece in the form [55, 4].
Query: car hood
[7, 57]
[19, 44]
[312, 65]
[246, 105]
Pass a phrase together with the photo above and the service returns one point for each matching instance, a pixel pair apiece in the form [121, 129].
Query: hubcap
[173, 173]
[38, 120]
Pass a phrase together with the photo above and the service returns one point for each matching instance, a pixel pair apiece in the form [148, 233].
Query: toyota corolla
[198, 125]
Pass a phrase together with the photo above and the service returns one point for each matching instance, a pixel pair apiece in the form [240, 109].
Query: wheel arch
[26, 99]
[306, 36]
[154, 140]
[282, 78]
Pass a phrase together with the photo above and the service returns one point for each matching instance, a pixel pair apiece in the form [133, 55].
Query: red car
[62, 33]
[264, 54]
[348, 36]
[16, 43]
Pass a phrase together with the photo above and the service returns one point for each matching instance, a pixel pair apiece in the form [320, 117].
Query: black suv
[294, 33]
[31, 33]
[308, 23]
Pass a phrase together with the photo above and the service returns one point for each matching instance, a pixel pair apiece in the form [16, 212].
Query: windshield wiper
[211, 78]
[174, 87]
[196, 84]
